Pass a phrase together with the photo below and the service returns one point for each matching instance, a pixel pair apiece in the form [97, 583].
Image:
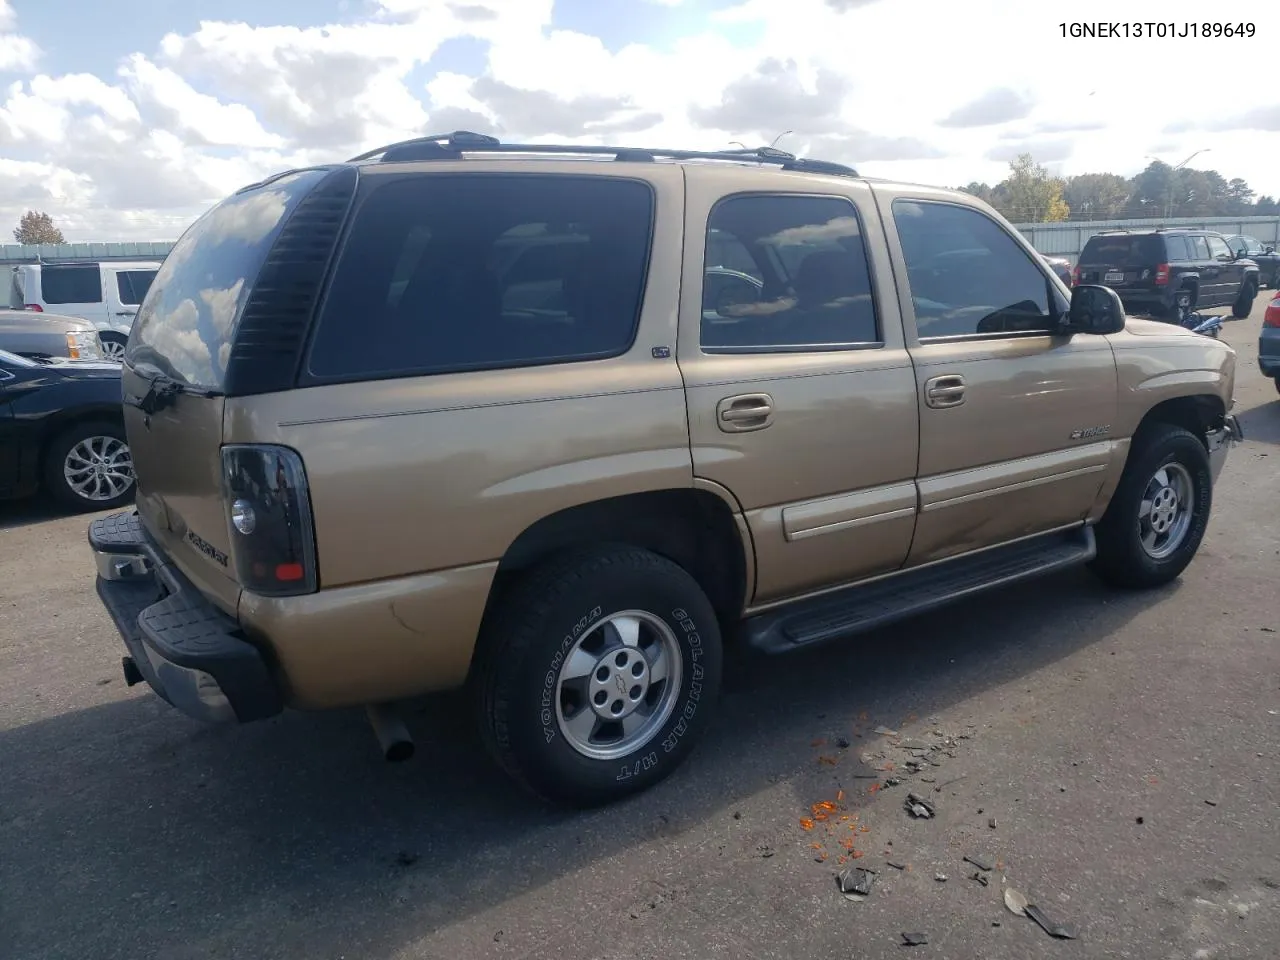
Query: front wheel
[113, 346]
[88, 467]
[596, 674]
[1244, 303]
[1158, 515]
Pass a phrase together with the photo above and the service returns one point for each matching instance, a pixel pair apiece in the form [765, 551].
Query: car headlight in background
[84, 345]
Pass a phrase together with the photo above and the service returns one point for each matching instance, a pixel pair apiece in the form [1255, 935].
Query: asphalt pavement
[1113, 757]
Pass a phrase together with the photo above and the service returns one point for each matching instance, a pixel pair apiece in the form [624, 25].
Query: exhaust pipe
[393, 735]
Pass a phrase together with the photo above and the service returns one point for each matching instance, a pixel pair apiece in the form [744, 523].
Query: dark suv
[1170, 273]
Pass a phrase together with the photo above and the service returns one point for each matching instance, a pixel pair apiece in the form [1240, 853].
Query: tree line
[1031, 195]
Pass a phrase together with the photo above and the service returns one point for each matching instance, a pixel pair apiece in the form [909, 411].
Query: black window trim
[768, 349]
[1037, 262]
[306, 378]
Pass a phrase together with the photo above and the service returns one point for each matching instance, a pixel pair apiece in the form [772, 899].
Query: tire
[555, 622]
[1276, 381]
[113, 346]
[1244, 303]
[1183, 301]
[78, 445]
[1122, 559]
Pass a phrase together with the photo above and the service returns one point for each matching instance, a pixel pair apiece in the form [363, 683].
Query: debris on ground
[992, 823]
[1212, 803]
[981, 877]
[981, 862]
[915, 939]
[919, 807]
[885, 731]
[1015, 902]
[855, 883]
[737, 814]
[1056, 930]
[842, 743]
[896, 865]
[1140, 820]
[765, 851]
[995, 923]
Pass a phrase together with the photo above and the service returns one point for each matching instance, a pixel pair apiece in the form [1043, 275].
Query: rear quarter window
[71, 284]
[186, 324]
[451, 272]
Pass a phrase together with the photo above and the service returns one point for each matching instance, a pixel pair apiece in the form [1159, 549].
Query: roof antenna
[784, 133]
[737, 143]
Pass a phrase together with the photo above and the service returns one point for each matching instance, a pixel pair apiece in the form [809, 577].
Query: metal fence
[22, 253]
[1068, 239]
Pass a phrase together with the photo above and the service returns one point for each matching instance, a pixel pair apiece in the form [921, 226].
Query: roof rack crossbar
[454, 145]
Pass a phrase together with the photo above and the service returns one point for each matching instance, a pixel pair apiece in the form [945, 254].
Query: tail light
[34, 306]
[1272, 317]
[1162, 275]
[1075, 276]
[269, 516]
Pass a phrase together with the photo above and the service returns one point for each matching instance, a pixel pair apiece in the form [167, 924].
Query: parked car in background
[46, 336]
[1269, 343]
[1170, 273]
[105, 294]
[62, 431]
[1062, 267]
[490, 434]
[1263, 254]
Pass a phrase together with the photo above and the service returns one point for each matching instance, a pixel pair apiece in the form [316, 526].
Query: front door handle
[946, 391]
[750, 411]
[126, 313]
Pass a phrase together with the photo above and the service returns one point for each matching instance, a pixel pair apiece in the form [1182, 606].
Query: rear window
[187, 320]
[1123, 250]
[482, 271]
[132, 285]
[71, 284]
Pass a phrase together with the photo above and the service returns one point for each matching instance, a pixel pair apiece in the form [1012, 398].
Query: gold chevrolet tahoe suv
[563, 426]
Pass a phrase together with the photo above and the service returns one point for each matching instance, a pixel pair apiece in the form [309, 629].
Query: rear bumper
[1157, 301]
[1269, 352]
[1220, 443]
[188, 651]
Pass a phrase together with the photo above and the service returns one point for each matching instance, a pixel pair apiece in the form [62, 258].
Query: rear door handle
[945, 391]
[750, 411]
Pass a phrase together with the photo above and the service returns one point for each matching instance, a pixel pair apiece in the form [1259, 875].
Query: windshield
[187, 321]
[13, 360]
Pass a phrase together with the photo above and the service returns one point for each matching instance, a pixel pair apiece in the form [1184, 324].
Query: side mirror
[1270, 250]
[1094, 309]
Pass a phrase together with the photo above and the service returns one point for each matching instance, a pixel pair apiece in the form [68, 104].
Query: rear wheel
[1244, 303]
[1183, 301]
[113, 346]
[596, 674]
[88, 467]
[1160, 510]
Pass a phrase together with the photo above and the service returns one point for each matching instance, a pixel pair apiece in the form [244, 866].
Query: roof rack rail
[451, 146]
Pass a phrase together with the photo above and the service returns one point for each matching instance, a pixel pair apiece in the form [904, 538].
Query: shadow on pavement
[129, 831]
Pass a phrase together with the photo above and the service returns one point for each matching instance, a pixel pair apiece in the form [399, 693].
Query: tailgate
[177, 462]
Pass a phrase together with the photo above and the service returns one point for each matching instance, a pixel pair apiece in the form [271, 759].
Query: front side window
[81, 283]
[1238, 245]
[1218, 249]
[968, 276]
[804, 284]
[1199, 248]
[457, 272]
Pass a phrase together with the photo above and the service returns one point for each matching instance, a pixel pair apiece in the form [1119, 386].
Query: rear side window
[187, 320]
[455, 272]
[806, 283]
[132, 285]
[1122, 250]
[71, 284]
[1176, 247]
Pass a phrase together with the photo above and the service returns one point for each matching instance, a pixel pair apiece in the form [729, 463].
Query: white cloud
[942, 92]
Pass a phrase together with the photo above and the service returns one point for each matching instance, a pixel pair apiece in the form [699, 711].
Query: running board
[860, 608]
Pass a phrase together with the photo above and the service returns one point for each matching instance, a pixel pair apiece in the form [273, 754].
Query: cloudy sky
[125, 120]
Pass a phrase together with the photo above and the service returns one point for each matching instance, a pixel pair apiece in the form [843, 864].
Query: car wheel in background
[113, 347]
[1182, 304]
[88, 466]
[1244, 303]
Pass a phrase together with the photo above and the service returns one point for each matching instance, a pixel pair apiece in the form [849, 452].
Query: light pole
[1168, 206]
